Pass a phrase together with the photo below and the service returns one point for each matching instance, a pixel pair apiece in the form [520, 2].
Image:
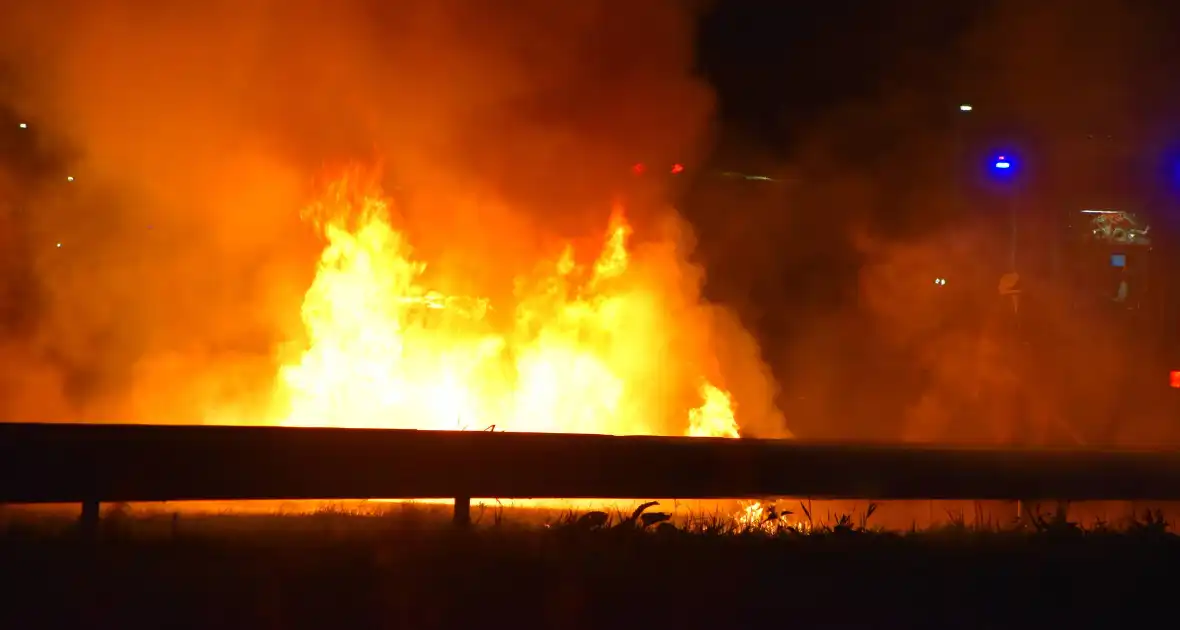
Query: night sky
[840, 96]
[781, 66]
[1044, 77]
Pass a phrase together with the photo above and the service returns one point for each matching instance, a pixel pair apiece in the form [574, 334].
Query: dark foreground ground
[413, 571]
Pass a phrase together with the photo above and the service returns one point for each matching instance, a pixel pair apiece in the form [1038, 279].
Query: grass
[405, 566]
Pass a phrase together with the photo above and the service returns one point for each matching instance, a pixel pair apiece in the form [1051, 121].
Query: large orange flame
[584, 351]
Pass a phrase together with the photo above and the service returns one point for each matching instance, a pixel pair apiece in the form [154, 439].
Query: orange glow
[714, 418]
[1174, 379]
[597, 347]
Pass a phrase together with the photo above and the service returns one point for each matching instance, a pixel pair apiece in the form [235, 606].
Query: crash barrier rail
[92, 464]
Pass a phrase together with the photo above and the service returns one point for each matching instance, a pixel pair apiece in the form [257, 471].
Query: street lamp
[958, 158]
[1004, 167]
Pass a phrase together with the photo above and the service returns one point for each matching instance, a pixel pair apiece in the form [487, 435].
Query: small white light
[69, 178]
[58, 245]
[965, 107]
[24, 125]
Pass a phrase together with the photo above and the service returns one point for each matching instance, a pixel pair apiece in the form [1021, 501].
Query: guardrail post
[462, 511]
[88, 521]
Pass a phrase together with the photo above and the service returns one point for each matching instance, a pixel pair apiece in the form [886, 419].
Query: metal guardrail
[89, 464]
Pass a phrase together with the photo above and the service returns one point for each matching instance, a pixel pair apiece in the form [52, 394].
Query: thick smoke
[200, 129]
[836, 265]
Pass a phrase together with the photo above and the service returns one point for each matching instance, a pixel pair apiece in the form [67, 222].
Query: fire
[758, 515]
[714, 418]
[585, 348]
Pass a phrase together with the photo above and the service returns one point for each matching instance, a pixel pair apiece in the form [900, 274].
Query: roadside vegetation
[407, 566]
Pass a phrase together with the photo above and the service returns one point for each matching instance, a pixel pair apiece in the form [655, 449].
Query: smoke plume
[175, 260]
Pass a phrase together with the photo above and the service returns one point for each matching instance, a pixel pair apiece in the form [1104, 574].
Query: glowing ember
[757, 515]
[752, 514]
[587, 350]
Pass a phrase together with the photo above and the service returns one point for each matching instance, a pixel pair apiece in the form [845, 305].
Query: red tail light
[677, 169]
[638, 169]
[1174, 381]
